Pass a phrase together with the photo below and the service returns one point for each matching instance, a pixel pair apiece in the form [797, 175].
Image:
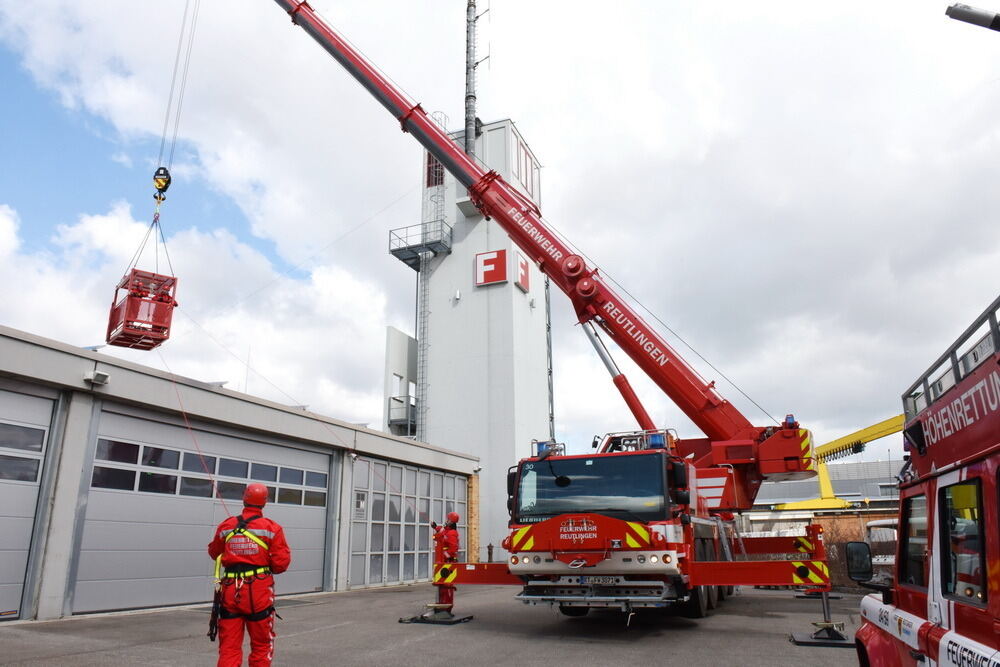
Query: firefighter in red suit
[251, 548]
[446, 547]
[447, 537]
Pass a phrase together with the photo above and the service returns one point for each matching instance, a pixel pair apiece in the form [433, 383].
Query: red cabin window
[141, 310]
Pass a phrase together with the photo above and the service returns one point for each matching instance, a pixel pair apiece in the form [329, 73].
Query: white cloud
[302, 349]
[122, 158]
[8, 231]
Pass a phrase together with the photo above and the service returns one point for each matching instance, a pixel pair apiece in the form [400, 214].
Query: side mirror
[680, 472]
[596, 442]
[859, 568]
[682, 497]
[511, 480]
[510, 506]
[859, 561]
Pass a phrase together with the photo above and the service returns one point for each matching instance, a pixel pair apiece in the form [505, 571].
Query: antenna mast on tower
[470, 77]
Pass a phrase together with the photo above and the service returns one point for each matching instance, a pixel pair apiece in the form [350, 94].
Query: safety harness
[240, 529]
[239, 575]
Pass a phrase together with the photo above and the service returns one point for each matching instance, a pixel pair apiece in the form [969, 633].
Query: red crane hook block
[140, 318]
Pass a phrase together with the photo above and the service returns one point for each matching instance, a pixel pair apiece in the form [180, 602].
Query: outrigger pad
[823, 637]
[437, 618]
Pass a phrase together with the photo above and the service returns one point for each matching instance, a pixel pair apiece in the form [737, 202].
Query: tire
[722, 593]
[697, 604]
[711, 596]
[862, 654]
[574, 612]
[730, 591]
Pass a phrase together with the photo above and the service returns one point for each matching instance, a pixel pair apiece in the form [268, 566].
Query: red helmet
[255, 496]
[453, 517]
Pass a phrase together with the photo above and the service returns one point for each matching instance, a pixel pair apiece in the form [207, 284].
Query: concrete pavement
[361, 628]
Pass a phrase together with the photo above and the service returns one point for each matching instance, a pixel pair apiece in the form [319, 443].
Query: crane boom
[853, 443]
[593, 300]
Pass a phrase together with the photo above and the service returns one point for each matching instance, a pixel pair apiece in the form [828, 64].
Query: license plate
[598, 580]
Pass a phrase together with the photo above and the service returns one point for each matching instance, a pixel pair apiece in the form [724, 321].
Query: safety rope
[187, 425]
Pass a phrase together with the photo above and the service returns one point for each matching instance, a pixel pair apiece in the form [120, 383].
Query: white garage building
[106, 500]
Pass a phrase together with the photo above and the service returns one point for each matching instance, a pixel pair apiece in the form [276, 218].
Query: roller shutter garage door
[24, 425]
[151, 512]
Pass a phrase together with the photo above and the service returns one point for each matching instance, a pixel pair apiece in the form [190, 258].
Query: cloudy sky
[807, 196]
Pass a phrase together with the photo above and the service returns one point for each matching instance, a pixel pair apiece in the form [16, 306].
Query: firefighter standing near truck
[446, 548]
[251, 548]
[447, 537]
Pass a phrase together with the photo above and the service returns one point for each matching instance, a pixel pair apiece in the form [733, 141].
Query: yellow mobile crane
[845, 446]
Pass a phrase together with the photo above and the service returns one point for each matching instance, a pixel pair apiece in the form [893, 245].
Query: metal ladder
[433, 210]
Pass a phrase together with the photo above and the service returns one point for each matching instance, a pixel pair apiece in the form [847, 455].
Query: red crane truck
[645, 521]
[943, 604]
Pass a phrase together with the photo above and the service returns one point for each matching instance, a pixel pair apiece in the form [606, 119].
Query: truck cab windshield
[625, 487]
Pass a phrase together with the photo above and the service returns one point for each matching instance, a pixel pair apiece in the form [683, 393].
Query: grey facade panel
[24, 409]
[14, 554]
[10, 597]
[131, 547]
[137, 593]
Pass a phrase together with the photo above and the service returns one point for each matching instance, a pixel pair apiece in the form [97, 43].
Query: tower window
[435, 172]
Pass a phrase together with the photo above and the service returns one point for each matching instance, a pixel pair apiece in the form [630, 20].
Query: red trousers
[242, 598]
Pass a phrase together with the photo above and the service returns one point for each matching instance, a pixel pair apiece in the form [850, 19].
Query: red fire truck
[646, 520]
[943, 605]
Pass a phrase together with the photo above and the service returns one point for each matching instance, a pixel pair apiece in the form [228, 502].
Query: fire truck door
[940, 609]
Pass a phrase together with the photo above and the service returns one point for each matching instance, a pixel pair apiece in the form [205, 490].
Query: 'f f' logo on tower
[491, 267]
[523, 277]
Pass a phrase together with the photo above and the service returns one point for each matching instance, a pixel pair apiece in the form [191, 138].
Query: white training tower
[481, 381]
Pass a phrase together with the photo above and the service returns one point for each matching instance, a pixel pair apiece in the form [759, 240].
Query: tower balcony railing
[408, 243]
[403, 411]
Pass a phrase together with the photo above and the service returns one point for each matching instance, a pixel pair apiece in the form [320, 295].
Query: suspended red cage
[140, 319]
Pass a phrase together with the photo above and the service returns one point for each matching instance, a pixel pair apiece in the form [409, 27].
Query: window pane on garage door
[13, 436]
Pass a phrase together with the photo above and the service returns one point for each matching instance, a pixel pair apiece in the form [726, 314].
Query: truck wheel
[573, 611]
[711, 596]
[730, 591]
[722, 593]
[697, 604]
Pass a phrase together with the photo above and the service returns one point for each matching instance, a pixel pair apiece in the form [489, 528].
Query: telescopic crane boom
[853, 443]
[752, 452]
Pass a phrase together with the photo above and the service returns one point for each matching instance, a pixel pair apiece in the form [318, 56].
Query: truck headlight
[653, 559]
[513, 560]
[640, 558]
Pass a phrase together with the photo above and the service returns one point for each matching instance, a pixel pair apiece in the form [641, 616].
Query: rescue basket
[140, 318]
